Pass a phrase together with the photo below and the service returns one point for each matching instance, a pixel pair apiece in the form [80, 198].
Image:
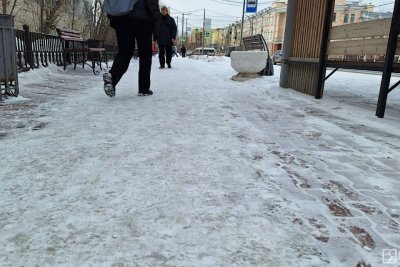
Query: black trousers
[127, 33]
[165, 54]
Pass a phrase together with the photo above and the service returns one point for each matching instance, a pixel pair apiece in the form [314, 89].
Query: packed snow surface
[206, 172]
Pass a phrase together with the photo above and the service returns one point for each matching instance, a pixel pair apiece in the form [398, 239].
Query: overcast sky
[224, 12]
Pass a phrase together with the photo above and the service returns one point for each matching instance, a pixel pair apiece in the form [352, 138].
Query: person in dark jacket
[183, 51]
[166, 37]
[140, 24]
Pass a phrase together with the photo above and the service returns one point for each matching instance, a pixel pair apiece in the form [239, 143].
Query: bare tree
[100, 27]
[74, 4]
[5, 3]
[51, 14]
[4, 6]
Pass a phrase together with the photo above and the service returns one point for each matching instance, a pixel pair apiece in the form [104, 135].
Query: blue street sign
[251, 6]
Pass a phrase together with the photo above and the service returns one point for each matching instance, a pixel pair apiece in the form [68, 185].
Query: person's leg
[126, 46]
[144, 42]
[168, 53]
[161, 55]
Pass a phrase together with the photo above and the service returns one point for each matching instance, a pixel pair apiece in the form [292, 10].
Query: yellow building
[217, 38]
[349, 13]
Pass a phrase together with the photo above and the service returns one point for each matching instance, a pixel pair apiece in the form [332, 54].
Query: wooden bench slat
[68, 31]
[371, 28]
[71, 35]
[374, 66]
[303, 60]
[96, 49]
[360, 47]
[69, 38]
[254, 42]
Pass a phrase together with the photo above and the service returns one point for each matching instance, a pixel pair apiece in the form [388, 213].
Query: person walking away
[132, 20]
[174, 51]
[183, 51]
[166, 38]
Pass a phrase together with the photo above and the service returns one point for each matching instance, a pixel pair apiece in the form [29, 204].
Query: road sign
[251, 6]
[207, 35]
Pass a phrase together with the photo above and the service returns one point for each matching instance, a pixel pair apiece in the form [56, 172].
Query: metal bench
[257, 42]
[76, 49]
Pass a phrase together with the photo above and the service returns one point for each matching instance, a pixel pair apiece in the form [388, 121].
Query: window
[353, 18]
[334, 17]
[346, 18]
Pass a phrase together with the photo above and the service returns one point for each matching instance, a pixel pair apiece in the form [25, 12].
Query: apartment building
[348, 12]
[269, 22]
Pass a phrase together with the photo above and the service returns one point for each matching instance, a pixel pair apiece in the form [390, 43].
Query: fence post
[28, 47]
[8, 54]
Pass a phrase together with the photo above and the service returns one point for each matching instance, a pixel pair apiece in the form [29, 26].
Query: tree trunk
[93, 33]
[52, 15]
[13, 6]
[41, 15]
[4, 6]
[74, 7]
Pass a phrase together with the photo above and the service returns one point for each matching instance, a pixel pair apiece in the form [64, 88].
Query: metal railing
[37, 49]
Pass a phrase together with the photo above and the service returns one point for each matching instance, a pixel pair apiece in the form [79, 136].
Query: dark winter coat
[141, 12]
[167, 30]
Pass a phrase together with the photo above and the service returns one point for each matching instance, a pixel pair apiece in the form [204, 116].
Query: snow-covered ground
[206, 172]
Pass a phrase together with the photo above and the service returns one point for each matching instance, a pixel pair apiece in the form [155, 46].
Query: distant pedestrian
[183, 51]
[174, 51]
[166, 38]
[132, 20]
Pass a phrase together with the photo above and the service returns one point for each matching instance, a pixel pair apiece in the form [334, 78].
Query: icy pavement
[207, 172]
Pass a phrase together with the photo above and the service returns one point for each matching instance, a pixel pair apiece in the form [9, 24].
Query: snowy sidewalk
[207, 172]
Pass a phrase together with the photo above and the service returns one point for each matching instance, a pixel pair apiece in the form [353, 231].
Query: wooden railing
[361, 42]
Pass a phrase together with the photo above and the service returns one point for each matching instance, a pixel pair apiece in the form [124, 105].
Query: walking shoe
[146, 94]
[169, 66]
[162, 67]
[109, 88]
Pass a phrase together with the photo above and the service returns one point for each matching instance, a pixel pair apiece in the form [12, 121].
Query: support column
[389, 60]
[324, 48]
[288, 45]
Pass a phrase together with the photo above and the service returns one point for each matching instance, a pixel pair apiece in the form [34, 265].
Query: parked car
[209, 51]
[277, 57]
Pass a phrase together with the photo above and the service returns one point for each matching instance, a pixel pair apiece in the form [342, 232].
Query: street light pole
[241, 30]
[183, 25]
[204, 26]
[186, 41]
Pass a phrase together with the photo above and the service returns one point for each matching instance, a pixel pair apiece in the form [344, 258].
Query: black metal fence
[37, 49]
